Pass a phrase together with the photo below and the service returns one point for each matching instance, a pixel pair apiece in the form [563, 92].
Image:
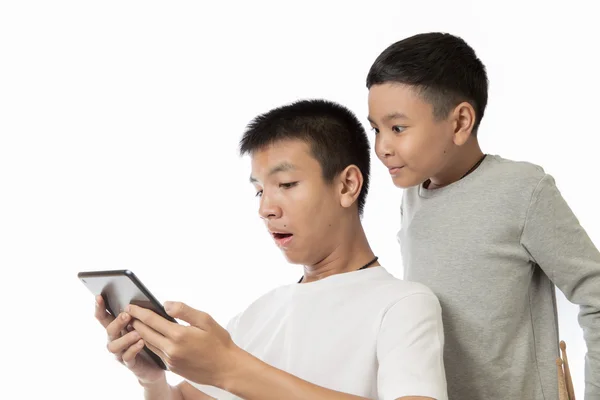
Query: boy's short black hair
[443, 67]
[335, 135]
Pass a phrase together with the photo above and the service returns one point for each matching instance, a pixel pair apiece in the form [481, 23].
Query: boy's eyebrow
[281, 167]
[390, 117]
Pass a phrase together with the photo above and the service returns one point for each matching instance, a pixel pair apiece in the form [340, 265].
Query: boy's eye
[398, 129]
[375, 130]
[287, 185]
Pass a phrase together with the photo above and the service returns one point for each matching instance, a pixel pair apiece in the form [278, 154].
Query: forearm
[591, 327]
[254, 380]
[558, 243]
[161, 390]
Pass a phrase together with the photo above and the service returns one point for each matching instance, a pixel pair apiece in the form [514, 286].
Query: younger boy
[491, 237]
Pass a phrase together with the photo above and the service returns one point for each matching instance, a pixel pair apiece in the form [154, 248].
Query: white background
[119, 123]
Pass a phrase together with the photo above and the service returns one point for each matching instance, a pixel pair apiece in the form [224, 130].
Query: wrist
[156, 383]
[241, 369]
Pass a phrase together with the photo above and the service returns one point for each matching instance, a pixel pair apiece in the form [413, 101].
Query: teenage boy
[347, 330]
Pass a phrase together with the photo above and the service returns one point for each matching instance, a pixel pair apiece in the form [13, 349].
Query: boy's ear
[351, 181]
[464, 120]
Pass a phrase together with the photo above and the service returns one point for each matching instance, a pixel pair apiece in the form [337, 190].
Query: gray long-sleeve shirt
[492, 246]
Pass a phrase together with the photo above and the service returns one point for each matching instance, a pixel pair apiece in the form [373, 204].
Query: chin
[293, 258]
[405, 183]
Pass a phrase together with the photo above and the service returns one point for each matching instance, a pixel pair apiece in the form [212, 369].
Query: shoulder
[521, 174]
[414, 308]
[395, 291]
[401, 288]
[413, 294]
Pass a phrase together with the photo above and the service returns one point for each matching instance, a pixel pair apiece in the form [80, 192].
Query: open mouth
[283, 240]
[279, 236]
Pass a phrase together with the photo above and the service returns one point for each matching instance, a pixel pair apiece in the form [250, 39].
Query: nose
[383, 146]
[268, 209]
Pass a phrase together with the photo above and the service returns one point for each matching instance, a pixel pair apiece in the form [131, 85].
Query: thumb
[188, 314]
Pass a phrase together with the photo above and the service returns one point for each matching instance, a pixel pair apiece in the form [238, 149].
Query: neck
[461, 163]
[351, 253]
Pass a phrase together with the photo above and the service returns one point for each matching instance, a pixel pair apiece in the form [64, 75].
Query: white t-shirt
[365, 333]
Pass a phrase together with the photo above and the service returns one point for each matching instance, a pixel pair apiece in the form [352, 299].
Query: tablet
[120, 288]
